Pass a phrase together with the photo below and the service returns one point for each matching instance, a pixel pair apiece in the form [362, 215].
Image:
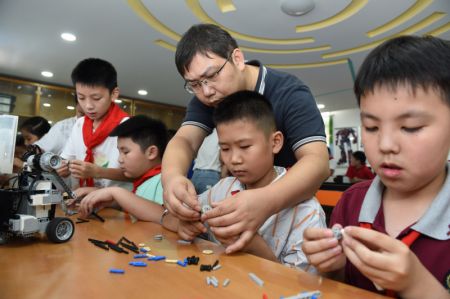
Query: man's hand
[180, 199]
[389, 263]
[323, 250]
[83, 170]
[238, 216]
[97, 199]
[188, 230]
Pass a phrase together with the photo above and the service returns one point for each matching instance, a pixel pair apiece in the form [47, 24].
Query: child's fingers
[240, 243]
[377, 275]
[315, 233]
[372, 239]
[222, 217]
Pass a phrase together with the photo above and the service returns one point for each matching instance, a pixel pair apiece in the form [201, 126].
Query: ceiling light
[46, 105]
[70, 107]
[47, 74]
[296, 7]
[320, 106]
[68, 37]
[142, 92]
[118, 101]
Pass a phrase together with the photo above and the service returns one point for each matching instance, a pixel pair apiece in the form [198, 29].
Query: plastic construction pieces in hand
[256, 279]
[81, 220]
[206, 208]
[116, 271]
[305, 295]
[338, 233]
[158, 237]
[138, 264]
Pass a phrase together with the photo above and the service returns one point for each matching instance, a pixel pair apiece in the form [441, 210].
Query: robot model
[30, 208]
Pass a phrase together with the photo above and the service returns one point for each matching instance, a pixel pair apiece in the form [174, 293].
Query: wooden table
[78, 269]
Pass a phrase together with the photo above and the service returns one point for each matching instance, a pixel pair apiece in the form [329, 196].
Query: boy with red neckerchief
[141, 143]
[92, 152]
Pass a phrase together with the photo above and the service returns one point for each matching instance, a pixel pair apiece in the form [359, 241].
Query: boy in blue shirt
[141, 143]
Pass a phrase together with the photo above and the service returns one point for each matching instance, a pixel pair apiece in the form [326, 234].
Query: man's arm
[244, 213]
[177, 159]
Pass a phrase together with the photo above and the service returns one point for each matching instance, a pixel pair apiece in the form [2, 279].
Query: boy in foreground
[248, 141]
[141, 143]
[397, 227]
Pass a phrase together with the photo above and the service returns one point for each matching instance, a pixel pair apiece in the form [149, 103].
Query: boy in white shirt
[92, 154]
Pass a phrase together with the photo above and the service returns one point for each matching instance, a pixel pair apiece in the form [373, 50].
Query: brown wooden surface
[78, 269]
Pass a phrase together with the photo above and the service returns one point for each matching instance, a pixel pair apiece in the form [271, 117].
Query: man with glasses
[213, 67]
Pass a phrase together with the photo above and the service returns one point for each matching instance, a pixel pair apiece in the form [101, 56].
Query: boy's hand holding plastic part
[96, 200]
[389, 263]
[323, 250]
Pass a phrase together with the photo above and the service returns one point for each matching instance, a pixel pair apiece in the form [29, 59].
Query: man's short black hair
[36, 125]
[246, 105]
[360, 156]
[144, 131]
[95, 72]
[203, 39]
[407, 60]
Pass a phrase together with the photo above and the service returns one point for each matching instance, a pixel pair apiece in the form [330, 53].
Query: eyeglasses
[194, 87]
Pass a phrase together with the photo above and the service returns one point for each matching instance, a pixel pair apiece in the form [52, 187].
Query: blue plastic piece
[140, 256]
[138, 264]
[116, 271]
[182, 263]
[143, 250]
[157, 258]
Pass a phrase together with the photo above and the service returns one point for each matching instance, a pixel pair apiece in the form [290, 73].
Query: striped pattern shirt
[283, 232]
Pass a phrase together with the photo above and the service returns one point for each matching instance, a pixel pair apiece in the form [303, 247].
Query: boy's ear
[115, 94]
[152, 152]
[277, 140]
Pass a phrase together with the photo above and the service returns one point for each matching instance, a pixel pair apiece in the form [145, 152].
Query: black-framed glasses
[195, 86]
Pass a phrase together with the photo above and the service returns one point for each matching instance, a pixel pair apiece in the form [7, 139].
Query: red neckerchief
[92, 139]
[407, 240]
[150, 173]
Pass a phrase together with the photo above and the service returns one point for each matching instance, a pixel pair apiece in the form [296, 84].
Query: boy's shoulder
[346, 211]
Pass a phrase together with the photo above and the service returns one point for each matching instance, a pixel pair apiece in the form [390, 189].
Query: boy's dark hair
[95, 72]
[411, 60]
[248, 105]
[144, 131]
[204, 39]
[360, 156]
[36, 125]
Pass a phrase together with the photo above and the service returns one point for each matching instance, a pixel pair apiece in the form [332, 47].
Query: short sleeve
[200, 115]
